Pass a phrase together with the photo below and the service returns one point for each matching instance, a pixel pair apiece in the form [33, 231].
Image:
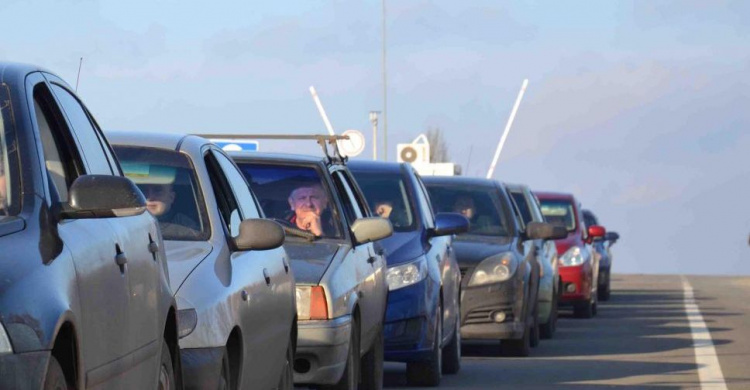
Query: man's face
[308, 199]
[159, 198]
[465, 207]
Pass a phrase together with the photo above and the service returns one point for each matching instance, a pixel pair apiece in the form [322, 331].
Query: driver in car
[159, 201]
[309, 206]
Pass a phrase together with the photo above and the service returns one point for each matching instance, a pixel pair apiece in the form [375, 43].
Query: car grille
[484, 315]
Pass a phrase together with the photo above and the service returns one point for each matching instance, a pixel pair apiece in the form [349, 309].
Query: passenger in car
[159, 201]
[465, 206]
[309, 206]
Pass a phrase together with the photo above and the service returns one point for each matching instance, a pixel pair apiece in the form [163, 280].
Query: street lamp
[374, 121]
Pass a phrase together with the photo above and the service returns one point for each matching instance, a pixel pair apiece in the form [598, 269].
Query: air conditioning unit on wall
[417, 152]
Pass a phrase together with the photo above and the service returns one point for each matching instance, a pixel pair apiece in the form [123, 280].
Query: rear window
[295, 196]
[167, 180]
[9, 193]
[559, 213]
[389, 198]
[480, 205]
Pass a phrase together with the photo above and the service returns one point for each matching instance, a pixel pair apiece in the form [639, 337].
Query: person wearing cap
[309, 209]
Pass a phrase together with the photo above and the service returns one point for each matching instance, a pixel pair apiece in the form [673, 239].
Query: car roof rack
[324, 141]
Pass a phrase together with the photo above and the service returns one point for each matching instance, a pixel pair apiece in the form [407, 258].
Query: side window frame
[351, 212]
[218, 155]
[424, 197]
[222, 190]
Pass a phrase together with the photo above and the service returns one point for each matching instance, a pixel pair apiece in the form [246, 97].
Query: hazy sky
[640, 108]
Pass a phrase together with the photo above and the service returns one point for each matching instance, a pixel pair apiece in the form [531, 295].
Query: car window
[296, 196]
[359, 197]
[92, 145]
[229, 207]
[559, 213]
[9, 172]
[425, 196]
[388, 197]
[480, 205]
[351, 209]
[523, 207]
[239, 186]
[168, 181]
[61, 158]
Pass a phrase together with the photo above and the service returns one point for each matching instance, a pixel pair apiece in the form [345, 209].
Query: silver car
[528, 210]
[341, 286]
[232, 281]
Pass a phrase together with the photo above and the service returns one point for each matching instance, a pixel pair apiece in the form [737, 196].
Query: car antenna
[507, 128]
[80, 64]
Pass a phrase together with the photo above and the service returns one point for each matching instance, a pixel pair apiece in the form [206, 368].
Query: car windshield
[295, 196]
[480, 205]
[8, 174]
[167, 180]
[559, 213]
[388, 197]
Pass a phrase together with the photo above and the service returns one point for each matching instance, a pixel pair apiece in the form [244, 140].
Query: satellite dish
[353, 146]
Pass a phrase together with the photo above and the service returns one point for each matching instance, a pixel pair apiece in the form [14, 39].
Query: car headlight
[494, 269]
[573, 256]
[5, 346]
[311, 303]
[404, 275]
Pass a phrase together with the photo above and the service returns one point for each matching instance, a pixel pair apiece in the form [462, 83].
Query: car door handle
[449, 250]
[267, 277]
[121, 259]
[371, 259]
[286, 265]
[153, 247]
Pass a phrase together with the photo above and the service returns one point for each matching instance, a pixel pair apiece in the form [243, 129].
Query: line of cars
[141, 260]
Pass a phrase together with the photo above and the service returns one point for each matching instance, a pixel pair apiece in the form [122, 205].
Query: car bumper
[479, 305]
[201, 367]
[23, 370]
[576, 283]
[322, 349]
[409, 331]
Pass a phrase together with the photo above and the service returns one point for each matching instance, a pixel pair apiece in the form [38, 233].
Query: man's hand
[311, 222]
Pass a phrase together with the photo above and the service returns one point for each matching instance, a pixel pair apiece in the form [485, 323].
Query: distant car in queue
[341, 275]
[550, 284]
[578, 264]
[422, 325]
[602, 246]
[497, 259]
[235, 292]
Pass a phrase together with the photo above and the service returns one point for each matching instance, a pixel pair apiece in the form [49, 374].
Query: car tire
[167, 379]
[604, 292]
[350, 378]
[518, 347]
[428, 373]
[547, 330]
[55, 378]
[372, 365]
[225, 375]
[286, 382]
[452, 352]
[584, 310]
[534, 330]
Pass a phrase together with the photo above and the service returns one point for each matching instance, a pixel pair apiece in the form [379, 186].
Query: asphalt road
[641, 338]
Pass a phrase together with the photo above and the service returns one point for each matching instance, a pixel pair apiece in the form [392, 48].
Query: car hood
[310, 261]
[402, 247]
[564, 244]
[182, 258]
[471, 250]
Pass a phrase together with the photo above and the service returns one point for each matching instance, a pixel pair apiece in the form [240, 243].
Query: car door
[548, 248]
[259, 275]
[369, 265]
[102, 283]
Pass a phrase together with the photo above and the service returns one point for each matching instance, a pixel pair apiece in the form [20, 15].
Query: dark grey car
[232, 281]
[84, 294]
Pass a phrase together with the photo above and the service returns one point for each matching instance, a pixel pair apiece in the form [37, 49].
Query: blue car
[422, 318]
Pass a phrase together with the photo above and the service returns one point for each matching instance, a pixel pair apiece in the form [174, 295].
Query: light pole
[374, 121]
[385, 95]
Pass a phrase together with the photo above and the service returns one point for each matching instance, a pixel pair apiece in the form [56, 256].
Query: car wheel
[350, 378]
[428, 373]
[372, 365]
[604, 291]
[55, 378]
[584, 310]
[166, 369]
[452, 351]
[286, 382]
[534, 331]
[518, 347]
[547, 330]
[595, 304]
[225, 379]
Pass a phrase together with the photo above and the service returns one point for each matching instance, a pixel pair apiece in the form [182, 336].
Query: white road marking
[709, 369]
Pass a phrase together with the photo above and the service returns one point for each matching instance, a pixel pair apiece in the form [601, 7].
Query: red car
[578, 263]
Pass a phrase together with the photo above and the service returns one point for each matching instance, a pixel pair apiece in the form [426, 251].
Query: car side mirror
[449, 223]
[371, 229]
[596, 231]
[259, 234]
[612, 237]
[545, 231]
[103, 196]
